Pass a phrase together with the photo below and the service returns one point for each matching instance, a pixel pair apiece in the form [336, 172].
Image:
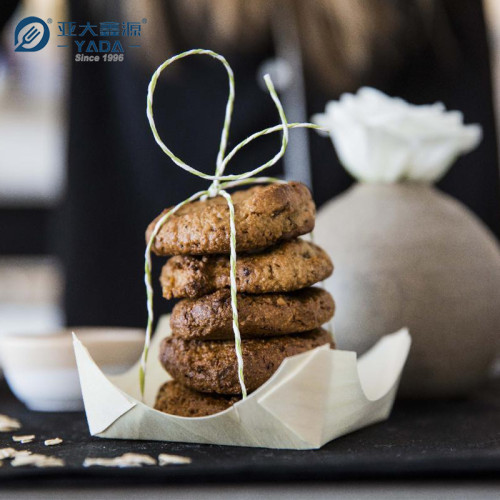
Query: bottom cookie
[177, 399]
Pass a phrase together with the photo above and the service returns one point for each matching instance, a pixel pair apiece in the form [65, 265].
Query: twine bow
[220, 183]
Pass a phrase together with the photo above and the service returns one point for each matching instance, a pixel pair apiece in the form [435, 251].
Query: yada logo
[31, 34]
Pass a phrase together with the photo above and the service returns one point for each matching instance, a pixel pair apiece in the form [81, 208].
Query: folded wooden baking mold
[314, 397]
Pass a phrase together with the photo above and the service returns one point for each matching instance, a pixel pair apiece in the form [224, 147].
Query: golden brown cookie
[264, 215]
[211, 366]
[177, 399]
[210, 317]
[289, 266]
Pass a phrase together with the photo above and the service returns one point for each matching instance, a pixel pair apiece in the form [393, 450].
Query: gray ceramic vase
[408, 255]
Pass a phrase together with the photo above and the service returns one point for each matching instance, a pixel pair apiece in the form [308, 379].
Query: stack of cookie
[280, 315]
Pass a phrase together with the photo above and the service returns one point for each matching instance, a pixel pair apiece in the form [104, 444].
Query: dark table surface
[422, 439]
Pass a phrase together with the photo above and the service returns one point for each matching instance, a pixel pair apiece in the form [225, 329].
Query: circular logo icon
[31, 34]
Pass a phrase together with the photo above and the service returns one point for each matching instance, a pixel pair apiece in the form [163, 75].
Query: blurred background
[81, 175]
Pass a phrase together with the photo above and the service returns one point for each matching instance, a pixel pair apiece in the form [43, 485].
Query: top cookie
[264, 215]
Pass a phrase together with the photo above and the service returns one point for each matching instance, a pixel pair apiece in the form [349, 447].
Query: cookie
[264, 215]
[289, 266]
[210, 317]
[211, 366]
[177, 399]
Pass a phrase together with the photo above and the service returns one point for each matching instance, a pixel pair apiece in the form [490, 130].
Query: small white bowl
[41, 370]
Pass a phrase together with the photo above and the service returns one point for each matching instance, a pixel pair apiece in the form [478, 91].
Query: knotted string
[220, 183]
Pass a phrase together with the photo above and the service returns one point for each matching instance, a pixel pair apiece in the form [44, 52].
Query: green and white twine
[220, 183]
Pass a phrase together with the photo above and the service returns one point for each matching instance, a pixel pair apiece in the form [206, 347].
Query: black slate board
[432, 439]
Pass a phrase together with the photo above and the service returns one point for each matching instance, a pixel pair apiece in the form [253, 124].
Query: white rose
[383, 139]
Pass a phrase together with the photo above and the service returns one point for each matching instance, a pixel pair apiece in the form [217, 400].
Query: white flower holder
[405, 253]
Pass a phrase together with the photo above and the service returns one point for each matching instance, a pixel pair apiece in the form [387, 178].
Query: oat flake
[126, 460]
[166, 459]
[37, 460]
[23, 439]
[12, 453]
[8, 424]
[52, 442]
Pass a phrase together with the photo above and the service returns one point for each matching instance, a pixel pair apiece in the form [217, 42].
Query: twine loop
[220, 183]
